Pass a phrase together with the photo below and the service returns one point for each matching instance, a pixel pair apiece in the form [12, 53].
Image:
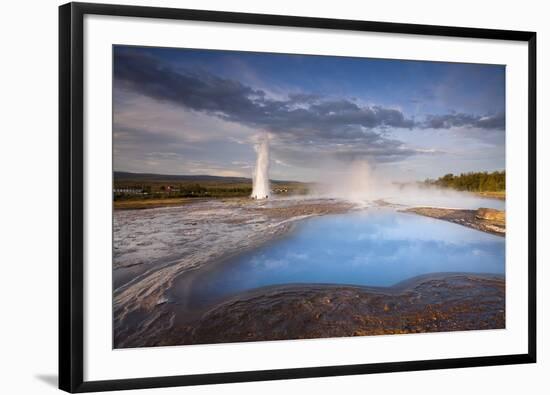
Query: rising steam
[260, 179]
[364, 184]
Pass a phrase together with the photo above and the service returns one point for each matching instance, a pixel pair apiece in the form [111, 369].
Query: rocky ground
[483, 219]
[154, 247]
[433, 303]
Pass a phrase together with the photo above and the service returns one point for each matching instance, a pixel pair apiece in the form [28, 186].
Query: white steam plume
[260, 179]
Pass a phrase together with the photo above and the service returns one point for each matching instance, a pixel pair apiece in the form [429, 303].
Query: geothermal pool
[374, 247]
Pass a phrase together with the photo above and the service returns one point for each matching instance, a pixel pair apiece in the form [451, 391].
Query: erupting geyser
[260, 180]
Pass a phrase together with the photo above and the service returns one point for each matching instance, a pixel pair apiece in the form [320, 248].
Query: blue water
[374, 247]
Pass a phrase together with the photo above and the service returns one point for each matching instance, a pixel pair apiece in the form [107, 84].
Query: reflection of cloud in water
[297, 256]
[380, 247]
[261, 262]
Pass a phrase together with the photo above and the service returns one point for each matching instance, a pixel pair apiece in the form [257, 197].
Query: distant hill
[127, 176]
[121, 176]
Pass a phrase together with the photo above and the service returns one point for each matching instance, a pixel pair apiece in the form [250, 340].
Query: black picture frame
[71, 221]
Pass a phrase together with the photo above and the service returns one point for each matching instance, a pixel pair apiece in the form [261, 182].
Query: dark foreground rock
[483, 219]
[447, 302]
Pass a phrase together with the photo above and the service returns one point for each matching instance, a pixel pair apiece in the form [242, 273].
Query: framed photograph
[253, 197]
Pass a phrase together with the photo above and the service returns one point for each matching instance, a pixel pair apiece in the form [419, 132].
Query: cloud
[303, 115]
[374, 149]
[456, 120]
[195, 114]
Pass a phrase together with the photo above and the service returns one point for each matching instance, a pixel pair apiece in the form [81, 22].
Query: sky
[192, 111]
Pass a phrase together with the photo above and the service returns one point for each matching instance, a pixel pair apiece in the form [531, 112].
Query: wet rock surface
[154, 247]
[435, 303]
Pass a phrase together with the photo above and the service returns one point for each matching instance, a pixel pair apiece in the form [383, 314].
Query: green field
[137, 190]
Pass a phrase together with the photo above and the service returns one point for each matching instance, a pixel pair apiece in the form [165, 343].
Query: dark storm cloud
[329, 127]
[202, 92]
[371, 146]
[448, 121]
[303, 97]
[386, 153]
[306, 115]
[190, 111]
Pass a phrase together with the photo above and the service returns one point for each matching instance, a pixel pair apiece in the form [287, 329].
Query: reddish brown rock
[435, 303]
[490, 214]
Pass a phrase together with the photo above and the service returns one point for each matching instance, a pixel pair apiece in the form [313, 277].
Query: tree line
[472, 181]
